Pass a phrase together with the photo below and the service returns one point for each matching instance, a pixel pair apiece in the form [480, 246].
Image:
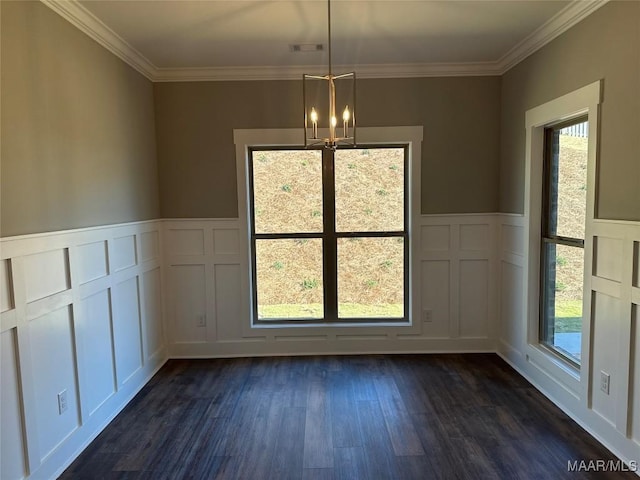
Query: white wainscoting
[81, 312]
[458, 275]
[612, 337]
[207, 294]
[512, 332]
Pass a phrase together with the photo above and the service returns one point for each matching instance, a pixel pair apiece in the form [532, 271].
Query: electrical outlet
[427, 315]
[202, 321]
[604, 382]
[62, 402]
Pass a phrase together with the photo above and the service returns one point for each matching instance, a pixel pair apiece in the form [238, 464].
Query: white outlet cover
[605, 382]
[62, 402]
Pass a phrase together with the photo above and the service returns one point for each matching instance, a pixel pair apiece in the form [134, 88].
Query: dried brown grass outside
[572, 191]
[369, 197]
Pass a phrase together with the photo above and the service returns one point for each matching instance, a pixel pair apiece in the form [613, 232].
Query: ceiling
[181, 38]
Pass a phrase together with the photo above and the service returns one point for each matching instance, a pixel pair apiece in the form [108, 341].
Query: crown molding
[88, 23]
[84, 20]
[295, 72]
[566, 18]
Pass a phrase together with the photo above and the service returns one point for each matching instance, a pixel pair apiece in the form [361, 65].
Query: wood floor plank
[416, 467]
[210, 446]
[226, 388]
[259, 451]
[375, 436]
[228, 469]
[376, 417]
[318, 437]
[437, 444]
[170, 453]
[251, 404]
[345, 427]
[318, 474]
[351, 464]
[413, 395]
[86, 469]
[288, 450]
[403, 435]
[472, 459]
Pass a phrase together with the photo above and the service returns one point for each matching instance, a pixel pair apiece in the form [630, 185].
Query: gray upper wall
[79, 131]
[78, 136]
[196, 154]
[606, 45]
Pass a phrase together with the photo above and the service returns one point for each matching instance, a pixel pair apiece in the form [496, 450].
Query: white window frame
[582, 102]
[246, 138]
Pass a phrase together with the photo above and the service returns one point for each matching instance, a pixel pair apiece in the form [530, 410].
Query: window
[329, 234]
[563, 234]
[551, 241]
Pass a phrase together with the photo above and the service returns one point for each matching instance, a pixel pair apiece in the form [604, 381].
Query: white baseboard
[296, 347]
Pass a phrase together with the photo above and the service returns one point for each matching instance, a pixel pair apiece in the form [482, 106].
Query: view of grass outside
[569, 261]
[289, 278]
[370, 277]
[287, 192]
[568, 295]
[369, 190]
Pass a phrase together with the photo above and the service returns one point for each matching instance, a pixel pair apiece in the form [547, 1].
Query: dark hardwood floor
[358, 417]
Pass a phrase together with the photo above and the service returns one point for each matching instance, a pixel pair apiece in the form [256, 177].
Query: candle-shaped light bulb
[334, 121]
[346, 115]
[314, 122]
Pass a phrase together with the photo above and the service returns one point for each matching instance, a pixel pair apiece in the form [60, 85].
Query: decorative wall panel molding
[611, 336]
[99, 301]
[207, 301]
[82, 332]
[458, 281]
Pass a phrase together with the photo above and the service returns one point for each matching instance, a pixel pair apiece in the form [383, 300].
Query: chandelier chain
[329, 32]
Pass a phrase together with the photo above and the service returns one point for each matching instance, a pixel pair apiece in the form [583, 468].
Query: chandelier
[317, 86]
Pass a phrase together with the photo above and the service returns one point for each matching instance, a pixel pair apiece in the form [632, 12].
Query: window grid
[329, 237]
